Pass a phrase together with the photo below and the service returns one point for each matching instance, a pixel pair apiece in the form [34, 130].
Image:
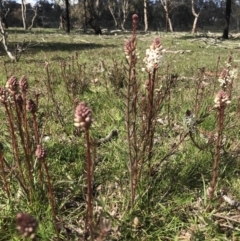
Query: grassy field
[153, 168]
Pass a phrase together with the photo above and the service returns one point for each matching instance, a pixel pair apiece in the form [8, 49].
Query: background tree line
[169, 15]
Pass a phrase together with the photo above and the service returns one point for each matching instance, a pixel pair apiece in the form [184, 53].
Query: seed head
[26, 225]
[40, 153]
[83, 116]
[12, 84]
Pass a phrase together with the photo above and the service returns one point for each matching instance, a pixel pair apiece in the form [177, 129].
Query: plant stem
[37, 139]
[6, 186]
[217, 151]
[89, 185]
[51, 197]
[14, 142]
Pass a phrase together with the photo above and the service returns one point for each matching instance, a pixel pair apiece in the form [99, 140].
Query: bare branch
[33, 19]
[4, 41]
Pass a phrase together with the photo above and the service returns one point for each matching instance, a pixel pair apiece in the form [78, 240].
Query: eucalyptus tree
[125, 5]
[24, 14]
[235, 14]
[94, 9]
[145, 13]
[227, 18]
[169, 6]
[67, 16]
[196, 15]
[26, 18]
[114, 9]
[119, 10]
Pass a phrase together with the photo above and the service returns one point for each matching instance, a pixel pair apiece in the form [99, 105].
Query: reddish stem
[89, 186]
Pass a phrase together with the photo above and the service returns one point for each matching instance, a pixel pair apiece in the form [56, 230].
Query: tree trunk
[170, 24]
[125, 11]
[94, 18]
[85, 16]
[95, 26]
[111, 9]
[24, 18]
[33, 19]
[166, 4]
[67, 17]
[194, 25]
[196, 15]
[3, 35]
[145, 15]
[227, 18]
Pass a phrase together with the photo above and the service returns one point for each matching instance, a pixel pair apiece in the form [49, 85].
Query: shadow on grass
[61, 46]
[35, 31]
[56, 47]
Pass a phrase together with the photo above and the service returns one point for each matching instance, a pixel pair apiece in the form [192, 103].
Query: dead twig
[226, 218]
[4, 42]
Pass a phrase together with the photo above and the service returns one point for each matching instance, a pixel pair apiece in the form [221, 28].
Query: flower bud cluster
[134, 18]
[228, 75]
[130, 45]
[221, 99]
[19, 101]
[40, 153]
[12, 89]
[83, 116]
[3, 95]
[23, 84]
[26, 225]
[128, 48]
[130, 51]
[154, 56]
[31, 106]
[12, 85]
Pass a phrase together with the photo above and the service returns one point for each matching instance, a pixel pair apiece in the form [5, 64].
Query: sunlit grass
[166, 206]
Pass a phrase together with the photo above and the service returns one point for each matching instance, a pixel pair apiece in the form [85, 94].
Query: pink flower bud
[26, 225]
[83, 116]
[23, 83]
[12, 84]
[3, 95]
[135, 18]
[31, 106]
[40, 153]
[221, 99]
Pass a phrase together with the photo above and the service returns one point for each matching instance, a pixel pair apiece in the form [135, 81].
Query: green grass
[166, 202]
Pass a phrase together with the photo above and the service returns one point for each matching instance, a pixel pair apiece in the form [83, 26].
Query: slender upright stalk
[220, 121]
[83, 119]
[37, 139]
[131, 109]
[21, 134]
[14, 142]
[49, 86]
[89, 186]
[41, 157]
[51, 198]
[221, 100]
[6, 186]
